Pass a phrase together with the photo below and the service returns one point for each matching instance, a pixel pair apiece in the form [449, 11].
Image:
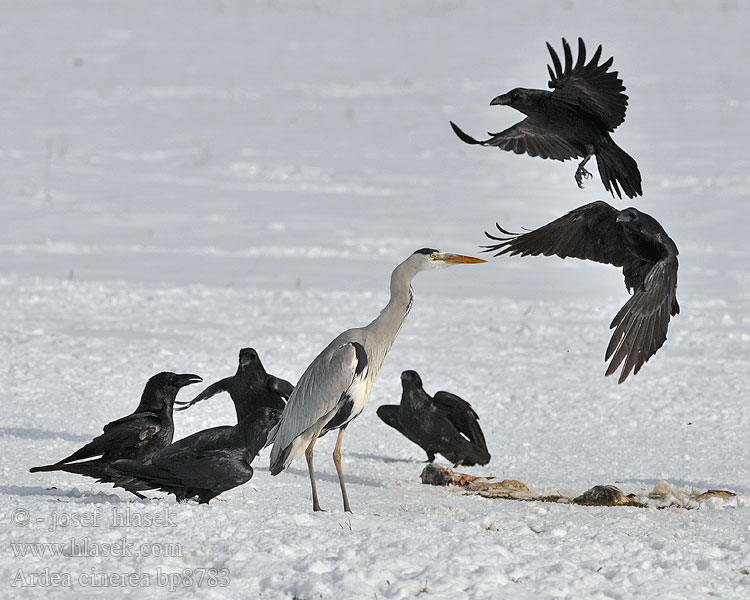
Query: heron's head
[430, 258]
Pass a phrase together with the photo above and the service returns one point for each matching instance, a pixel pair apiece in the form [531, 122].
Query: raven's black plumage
[629, 239]
[205, 464]
[137, 436]
[572, 121]
[250, 387]
[444, 424]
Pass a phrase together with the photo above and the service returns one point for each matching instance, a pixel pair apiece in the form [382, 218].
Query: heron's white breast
[359, 391]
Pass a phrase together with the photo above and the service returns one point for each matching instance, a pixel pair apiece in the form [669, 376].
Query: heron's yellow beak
[458, 259]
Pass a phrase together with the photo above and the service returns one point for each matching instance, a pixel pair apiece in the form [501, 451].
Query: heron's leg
[311, 470]
[337, 462]
[582, 173]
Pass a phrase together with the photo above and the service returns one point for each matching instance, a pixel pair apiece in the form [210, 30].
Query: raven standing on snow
[574, 120]
[250, 387]
[444, 424]
[629, 239]
[206, 463]
[137, 436]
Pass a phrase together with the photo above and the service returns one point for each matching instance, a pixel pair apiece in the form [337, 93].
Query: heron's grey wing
[591, 86]
[641, 324]
[314, 399]
[462, 415]
[589, 232]
[215, 388]
[526, 137]
[280, 386]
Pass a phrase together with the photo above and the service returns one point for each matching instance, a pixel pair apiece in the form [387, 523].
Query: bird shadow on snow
[381, 458]
[353, 479]
[35, 490]
[28, 433]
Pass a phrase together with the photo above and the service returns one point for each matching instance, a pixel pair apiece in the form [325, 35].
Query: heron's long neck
[383, 330]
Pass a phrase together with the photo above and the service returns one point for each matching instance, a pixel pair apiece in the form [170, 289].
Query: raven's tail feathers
[618, 169]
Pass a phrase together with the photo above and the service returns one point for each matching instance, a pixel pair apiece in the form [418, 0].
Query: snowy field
[180, 179]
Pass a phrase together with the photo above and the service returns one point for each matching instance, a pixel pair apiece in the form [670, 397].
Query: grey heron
[334, 388]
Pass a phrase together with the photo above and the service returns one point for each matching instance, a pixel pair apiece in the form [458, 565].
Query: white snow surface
[181, 179]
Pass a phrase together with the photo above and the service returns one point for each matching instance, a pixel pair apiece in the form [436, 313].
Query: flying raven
[206, 463]
[443, 424]
[629, 239]
[572, 121]
[138, 436]
[250, 387]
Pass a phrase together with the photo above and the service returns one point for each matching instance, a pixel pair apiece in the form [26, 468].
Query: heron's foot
[316, 507]
[582, 174]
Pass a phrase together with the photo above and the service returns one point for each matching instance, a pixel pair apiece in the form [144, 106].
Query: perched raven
[574, 120]
[444, 424]
[629, 239]
[204, 464]
[137, 436]
[250, 387]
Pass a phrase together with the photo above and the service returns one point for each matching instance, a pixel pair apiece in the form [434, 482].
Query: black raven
[204, 464]
[137, 436]
[443, 424]
[572, 121]
[626, 238]
[250, 387]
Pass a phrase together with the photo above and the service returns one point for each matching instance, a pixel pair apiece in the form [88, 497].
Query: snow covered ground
[180, 179]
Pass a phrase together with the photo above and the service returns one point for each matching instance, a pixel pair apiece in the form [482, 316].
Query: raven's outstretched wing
[526, 137]
[213, 389]
[281, 386]
[589, 86]
[641, 324]
[589, 232]
[592, 232]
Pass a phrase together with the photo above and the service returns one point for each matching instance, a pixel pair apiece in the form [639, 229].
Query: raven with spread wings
[574, 120]
[625, 238]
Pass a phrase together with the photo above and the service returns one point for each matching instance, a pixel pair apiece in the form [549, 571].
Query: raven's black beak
[501, 100]
[187, 379]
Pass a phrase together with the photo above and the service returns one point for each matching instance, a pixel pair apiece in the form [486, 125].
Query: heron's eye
[433, 255]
